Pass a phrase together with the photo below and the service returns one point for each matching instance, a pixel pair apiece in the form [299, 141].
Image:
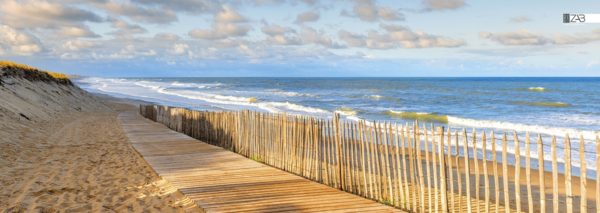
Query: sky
[302, 38]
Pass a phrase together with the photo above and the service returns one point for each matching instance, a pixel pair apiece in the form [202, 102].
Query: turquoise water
[546, 106]
[537, 105]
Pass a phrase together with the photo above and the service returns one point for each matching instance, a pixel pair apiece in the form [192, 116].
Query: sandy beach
[63, 150]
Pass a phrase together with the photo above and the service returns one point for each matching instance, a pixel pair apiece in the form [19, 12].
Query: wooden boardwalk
[222, 181]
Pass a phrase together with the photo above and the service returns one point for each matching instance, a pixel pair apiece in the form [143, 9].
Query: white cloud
[367, 10]
[220, 31]
[228, 15]
[167, 36]
[40, 13]
[179, 49]
[13, 42]
[311, 36]
[524, 37]
[284, 40]
[140, 14]
[124, 29]
[353, 40]
[275, 29]
[520, 19]
[78, 45]
[227, 23]
[309, 16]
[521, 37]
[281, 35]
[190, 6]
[130, 51]
[77, 31]
[397, 36]
[443, 4]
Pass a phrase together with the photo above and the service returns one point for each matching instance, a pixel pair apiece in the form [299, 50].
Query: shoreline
[235, 95]
[535, 183]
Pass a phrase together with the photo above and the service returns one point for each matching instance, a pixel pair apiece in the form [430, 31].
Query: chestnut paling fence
[419, 168]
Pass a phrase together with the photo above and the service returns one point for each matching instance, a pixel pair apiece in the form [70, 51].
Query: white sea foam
[195, 85]
[289, 94]
[375, 97]
[537, 89]
[152, 90]
[287, 106]
[147, 84]
[400, 112]
[557, 131]
[454, 121]
[273, 107]
[346, 111]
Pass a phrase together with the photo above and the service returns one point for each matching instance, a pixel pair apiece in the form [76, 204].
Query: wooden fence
[418, 168]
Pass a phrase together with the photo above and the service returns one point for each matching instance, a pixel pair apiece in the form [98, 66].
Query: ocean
[547, 106]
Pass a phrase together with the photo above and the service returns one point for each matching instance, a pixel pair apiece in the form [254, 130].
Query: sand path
[83, 162]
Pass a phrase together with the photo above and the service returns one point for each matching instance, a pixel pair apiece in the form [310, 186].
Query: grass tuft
[10, 68]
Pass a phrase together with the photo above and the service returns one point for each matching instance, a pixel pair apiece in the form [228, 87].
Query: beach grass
[33, 73]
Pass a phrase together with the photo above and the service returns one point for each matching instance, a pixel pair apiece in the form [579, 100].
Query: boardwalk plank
[222, 181]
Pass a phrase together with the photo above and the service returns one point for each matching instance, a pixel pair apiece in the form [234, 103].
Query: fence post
[485, 172]
[517, 172]
[476, 165]
[541, 174]
[554, 176]
[582, 176]
[336, 124]
[443, 170]
[528, 173]
[467, 170]
[597, 173]
[505, 175]
[568, 185]
[495, 168]
[391, 159]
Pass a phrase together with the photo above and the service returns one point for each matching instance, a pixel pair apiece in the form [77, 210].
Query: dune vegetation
[10, 68]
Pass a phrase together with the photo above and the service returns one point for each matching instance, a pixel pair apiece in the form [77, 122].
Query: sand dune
[63, 150]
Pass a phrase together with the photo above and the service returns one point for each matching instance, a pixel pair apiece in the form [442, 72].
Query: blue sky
[301, 38]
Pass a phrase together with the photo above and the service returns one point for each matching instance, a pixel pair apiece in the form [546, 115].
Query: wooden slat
[597, 173]
[582, 176]
[322, 150]
[568, 183]
[467, 170]
[528, 173]
[541, 171]
[517, 168]
[554, 176]
[505, 173]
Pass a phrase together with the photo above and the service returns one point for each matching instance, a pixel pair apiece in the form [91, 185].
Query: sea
[546, 106]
